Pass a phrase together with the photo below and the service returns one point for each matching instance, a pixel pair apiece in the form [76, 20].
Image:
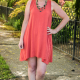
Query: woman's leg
[41, 69]
[32, 68]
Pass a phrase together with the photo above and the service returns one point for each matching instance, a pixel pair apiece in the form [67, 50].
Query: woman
[36, 35]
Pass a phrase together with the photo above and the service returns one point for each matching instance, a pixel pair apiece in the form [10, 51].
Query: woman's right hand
[20, 44]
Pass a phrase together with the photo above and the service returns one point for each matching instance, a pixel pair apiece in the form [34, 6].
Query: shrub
[21, 8]
[16, 22]
[17, 15]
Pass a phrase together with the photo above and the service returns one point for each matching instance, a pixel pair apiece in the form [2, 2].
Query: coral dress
[36, 41]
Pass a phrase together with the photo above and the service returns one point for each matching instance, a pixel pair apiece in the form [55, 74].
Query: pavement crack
[8, 44]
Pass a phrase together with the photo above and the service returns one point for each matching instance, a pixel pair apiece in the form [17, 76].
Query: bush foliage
[21, 8]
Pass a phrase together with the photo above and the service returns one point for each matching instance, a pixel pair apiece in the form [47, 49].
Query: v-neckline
[40, 7]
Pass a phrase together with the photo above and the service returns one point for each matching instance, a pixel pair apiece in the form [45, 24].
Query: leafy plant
[16, 22]
[5, 72]
[3, 17]
[56, 1]
[77, 6]
[17, 15]
[21, 8]
[68, 4]
[10, 3]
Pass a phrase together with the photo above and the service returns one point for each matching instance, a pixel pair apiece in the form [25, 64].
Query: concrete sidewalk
[62, 67]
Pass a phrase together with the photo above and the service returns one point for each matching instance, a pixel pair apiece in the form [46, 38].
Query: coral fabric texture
[36, 41]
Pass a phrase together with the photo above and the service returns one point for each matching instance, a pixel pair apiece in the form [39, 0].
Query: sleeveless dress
[36, 42]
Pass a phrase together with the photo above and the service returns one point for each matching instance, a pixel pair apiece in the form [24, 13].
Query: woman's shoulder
[54, 4]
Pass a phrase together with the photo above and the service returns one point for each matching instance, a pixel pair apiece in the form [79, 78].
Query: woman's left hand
[51, 31]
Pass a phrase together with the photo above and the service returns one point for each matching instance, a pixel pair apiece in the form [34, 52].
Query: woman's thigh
[32, 62]
[41, 66]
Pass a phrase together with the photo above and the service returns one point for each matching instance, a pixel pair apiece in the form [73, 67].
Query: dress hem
[43, 60]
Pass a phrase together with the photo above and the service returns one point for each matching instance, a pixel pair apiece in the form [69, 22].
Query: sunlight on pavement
[4, 34]
[2, 25]
[9, 39]
[20, 73]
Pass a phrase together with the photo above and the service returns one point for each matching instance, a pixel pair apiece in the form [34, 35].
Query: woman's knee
[41, 73]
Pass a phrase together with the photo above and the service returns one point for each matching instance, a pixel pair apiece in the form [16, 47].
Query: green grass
[5, 72]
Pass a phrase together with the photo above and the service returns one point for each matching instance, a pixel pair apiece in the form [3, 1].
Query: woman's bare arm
[26, 18]
[62, 14]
